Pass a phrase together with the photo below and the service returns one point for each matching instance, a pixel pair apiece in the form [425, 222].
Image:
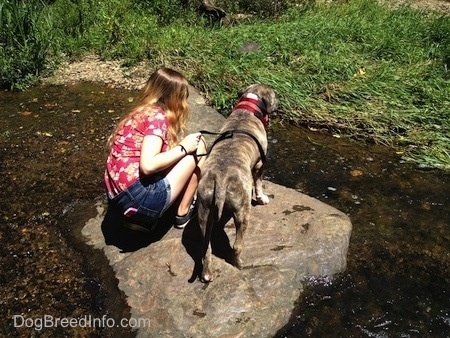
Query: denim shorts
[144, 201]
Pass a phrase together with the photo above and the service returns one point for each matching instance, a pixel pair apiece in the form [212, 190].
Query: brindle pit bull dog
[234, 164]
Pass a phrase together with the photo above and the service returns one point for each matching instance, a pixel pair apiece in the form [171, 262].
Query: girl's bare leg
[187, 195]
[184, 178]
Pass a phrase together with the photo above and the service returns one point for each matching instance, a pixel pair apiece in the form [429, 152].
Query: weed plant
[26, 41]
[357, 68]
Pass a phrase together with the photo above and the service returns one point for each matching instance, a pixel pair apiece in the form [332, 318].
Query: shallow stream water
[52, 153]
[397, 278]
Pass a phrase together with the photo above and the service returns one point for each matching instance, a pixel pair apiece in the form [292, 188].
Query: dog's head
[264, 93]
[258, 99]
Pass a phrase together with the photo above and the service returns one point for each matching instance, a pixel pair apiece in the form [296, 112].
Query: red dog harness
[256, 107]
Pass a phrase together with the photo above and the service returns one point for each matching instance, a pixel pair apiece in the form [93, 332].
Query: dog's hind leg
[207, 275]
[206, 221]
[241, 221]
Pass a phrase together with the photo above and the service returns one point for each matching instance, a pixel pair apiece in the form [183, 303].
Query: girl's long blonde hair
[166, 89]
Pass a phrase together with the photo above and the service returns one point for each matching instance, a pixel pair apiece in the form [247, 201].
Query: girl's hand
[190, 142]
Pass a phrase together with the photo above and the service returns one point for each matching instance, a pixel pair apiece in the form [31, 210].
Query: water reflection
[397, 280]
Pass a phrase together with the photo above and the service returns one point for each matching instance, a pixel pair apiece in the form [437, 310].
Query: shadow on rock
[128, 240]
[220, 244]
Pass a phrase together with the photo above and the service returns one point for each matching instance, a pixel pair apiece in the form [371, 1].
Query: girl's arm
[153, 160]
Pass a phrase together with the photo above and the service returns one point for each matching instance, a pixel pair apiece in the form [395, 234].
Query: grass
[356, 68]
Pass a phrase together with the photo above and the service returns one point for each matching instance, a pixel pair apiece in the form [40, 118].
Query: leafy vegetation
[25, 41]
[356, 68]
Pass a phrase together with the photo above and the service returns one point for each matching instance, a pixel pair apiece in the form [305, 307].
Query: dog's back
[221, 190]
[227, 172]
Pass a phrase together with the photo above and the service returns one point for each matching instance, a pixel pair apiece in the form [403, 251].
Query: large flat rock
[291, 238]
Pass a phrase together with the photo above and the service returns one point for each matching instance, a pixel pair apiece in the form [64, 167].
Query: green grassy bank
[355, 67]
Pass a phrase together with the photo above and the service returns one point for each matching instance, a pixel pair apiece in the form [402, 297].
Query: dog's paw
[238, 264]
[262, 199]
[206, 278]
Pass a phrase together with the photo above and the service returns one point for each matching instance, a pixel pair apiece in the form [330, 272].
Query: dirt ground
[92, 69]
[437, 5]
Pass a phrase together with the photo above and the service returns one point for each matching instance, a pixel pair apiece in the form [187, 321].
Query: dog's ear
[245, 90]
[269, 98]
[271, 102]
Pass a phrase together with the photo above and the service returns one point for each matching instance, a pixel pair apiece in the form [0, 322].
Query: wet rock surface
[291, 238]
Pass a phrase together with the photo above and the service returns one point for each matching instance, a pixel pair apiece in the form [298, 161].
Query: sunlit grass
[379, 76]
[357, 68]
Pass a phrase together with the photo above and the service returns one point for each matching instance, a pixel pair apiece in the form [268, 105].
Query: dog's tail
[219, 197]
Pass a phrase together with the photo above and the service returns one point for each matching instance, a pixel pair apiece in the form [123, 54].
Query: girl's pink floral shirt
[122, 165]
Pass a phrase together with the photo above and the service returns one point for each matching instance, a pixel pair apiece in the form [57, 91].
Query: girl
[148, 166]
